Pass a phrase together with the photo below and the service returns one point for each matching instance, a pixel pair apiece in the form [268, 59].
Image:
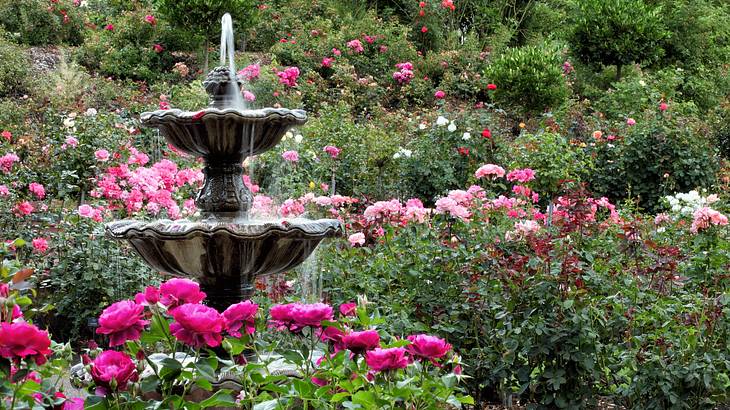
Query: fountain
[224, 249]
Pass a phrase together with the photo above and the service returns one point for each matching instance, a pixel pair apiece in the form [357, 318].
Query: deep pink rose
[439, 95]
[74, 403]
[333, 335]
[24, 341]
[348, 309]
[240, 314]
[311, 314]
[281, 316]
[197, 325]
[176, 292]
[381, 360]
[361, 342]
[122, 321]
[112, 365]
[150, 296]
[427, 347]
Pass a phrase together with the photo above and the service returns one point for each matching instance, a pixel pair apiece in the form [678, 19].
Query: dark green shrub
[529, 78]
[13, 68]
[656, 157]
[617, 32]
[130, 47]
[39, 22]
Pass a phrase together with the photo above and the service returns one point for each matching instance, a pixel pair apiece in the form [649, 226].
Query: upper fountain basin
[226, 134]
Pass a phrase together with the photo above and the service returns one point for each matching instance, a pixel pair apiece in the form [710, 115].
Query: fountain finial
[218, 84]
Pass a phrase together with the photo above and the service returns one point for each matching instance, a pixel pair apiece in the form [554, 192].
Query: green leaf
[220, 398]
[267, 405]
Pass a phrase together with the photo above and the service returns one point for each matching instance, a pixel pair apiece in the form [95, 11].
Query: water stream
[228, 53]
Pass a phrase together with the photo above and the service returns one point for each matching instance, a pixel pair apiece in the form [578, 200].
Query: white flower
[287, 136]
[69, 122]
[402, 152]
[452, 127]
[298, 138]
[642, 83]
[91, 112]
[421, 126]
[466, 136]
[441, 121]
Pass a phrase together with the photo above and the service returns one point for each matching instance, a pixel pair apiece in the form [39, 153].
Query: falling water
[310, 278]
[227, 52]
[250, 153]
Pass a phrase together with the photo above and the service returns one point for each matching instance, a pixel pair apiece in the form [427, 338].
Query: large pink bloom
[296, 316]
[704, 217]
[361, 342]
[24, 341]
[240, 314]
[381, 360]
[197, 325]
[427, 347]
[489, 170]
[122, 321]
[111, 366]
[176, 292]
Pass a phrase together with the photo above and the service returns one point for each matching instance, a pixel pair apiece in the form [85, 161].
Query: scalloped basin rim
[264, 114]
[182, 229]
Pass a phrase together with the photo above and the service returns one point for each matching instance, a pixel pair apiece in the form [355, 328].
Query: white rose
[466, 136]
[452, 127]
[441, 121]
[298, 138]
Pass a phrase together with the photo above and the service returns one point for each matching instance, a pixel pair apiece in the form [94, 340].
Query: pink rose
[281, 316]
[291, 156]
[333, 335]
[37, 189]
[122, 321]
[521, 175]
[332, 151]
[197, 325]
[348, 309]
[311, 314]
[109, 27]
[361, 342]
[101, 155]
[356, 239]
[40, 245]
[327, 62]
[631, 122]
[439, 95]
[150, 296]
[150, 19]
[381, 360]
[489, 170]
[240, 314]
[177, 291]
[74, 403]
[112, 368]
[249, 96]
[86, 211]
[24, 208]
[24, 341]
[427, 347]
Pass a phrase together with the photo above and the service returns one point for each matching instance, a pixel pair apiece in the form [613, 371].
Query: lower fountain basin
[224, 255]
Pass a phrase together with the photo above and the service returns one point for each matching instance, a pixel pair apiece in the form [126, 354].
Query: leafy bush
[130, 46]
[13, 68]
[617, 32]
[659, 155]
[557, 163]
[36, 22]
[529, 78]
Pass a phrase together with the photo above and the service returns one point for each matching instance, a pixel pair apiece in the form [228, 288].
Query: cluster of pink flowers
[523, 229]
[355, 45]
[521, 175]
[705, 217]
[40, 245]
[250, 72]
[37, 189]
[134, 187]
[7, 135]
[7, 161]
[405, 73]
[289, 76]
[356, 239]
[327, 62]
[456, 204]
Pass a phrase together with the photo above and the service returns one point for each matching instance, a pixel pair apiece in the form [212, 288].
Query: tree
[617, 32]
[203, 17]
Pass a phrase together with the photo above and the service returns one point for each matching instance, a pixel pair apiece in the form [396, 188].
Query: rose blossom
[357, 239]
[86, 211]
[427, 347]
[37, 189]
[332, 151]
[439, 95]
[360, 342]
[122, 321]
[101, 155]
[197, 325]
[348, 309]
[24, 341]
[291, 156]
[296, 316]
[249, 96]
[40, 245]
[178, 291]
[489, 169]
[112, 368]
[386, 359]
[150, 296]
[239, 315]
[334, 335]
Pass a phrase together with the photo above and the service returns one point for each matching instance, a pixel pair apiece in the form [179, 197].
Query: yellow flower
[311, 184]
[522, 125]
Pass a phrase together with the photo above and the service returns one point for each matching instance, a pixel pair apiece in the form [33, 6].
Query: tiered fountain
[224, 249]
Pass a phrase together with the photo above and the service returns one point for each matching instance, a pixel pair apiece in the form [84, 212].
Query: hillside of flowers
[535, 199]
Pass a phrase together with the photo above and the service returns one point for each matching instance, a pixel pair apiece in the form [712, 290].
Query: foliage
[529, 78]
[36, 22]
[13, 68]
[661, 154]
[617, 32]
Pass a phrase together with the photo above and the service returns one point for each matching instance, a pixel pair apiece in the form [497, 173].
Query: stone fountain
[224, 249]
